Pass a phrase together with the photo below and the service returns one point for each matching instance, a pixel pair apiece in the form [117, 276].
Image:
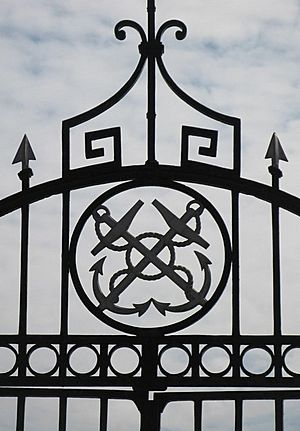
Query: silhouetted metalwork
[195, 290]
[113, 236]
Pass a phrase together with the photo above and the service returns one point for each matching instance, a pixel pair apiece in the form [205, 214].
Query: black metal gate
[150, 257]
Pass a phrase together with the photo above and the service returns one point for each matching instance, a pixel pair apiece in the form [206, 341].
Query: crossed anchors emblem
[180, 275]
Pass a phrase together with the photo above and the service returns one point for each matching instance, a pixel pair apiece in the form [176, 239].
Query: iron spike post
[23, 155]
[275, 153]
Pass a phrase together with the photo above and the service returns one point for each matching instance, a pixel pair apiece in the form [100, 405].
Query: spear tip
[24, 153]
[275, 151]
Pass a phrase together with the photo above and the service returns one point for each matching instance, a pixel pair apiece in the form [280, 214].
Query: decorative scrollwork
[120, 33]
[180, 34]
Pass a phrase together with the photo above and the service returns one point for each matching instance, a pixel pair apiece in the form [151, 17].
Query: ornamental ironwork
[140, 261]
[150, 256]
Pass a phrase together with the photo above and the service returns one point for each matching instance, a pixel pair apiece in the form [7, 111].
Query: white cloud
[61, 58]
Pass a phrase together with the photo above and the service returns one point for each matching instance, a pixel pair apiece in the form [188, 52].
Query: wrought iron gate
[150, 257]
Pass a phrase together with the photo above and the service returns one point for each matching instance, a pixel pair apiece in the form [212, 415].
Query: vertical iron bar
[276, 270]
[64, 282]
[62, 414]
[64, 261]
[104, 361]
[24, 263]
[23, 276]
[64, 252]
[149, 413]
[20, 413]
[276, 279]
[149, 362]
[103, 414]
[235, 285]
[237, 146]
[195, 361]
[238, 415]
[151, 114]
[198, 415]
[235, 307]
[65, 149]
[278, 414]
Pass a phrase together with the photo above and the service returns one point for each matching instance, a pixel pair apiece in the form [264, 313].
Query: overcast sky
[60, 58]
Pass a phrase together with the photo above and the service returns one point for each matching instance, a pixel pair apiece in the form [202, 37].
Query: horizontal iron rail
[91, 176]
[228, 395]
[158, 383]
[158, 396]
[159, 339]
[70, 393]
[194, 375]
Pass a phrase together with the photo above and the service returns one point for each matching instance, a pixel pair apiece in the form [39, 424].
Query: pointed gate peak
[24, 153]
[275, 151]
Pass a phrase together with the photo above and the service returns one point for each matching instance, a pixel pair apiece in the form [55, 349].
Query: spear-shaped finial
[276, 153]
[23, 155]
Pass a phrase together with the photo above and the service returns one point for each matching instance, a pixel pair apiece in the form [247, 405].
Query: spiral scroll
[179, 34]
[120, 33]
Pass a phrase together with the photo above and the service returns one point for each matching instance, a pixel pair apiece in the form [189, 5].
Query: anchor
[177, 226]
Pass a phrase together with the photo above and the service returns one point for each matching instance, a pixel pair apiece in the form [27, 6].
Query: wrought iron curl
[179, 34]
[120, 33]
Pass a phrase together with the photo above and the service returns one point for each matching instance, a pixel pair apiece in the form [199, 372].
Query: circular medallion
[159, 260]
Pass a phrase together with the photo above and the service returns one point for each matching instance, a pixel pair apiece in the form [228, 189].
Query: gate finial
[23, 155]
[276, 153]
